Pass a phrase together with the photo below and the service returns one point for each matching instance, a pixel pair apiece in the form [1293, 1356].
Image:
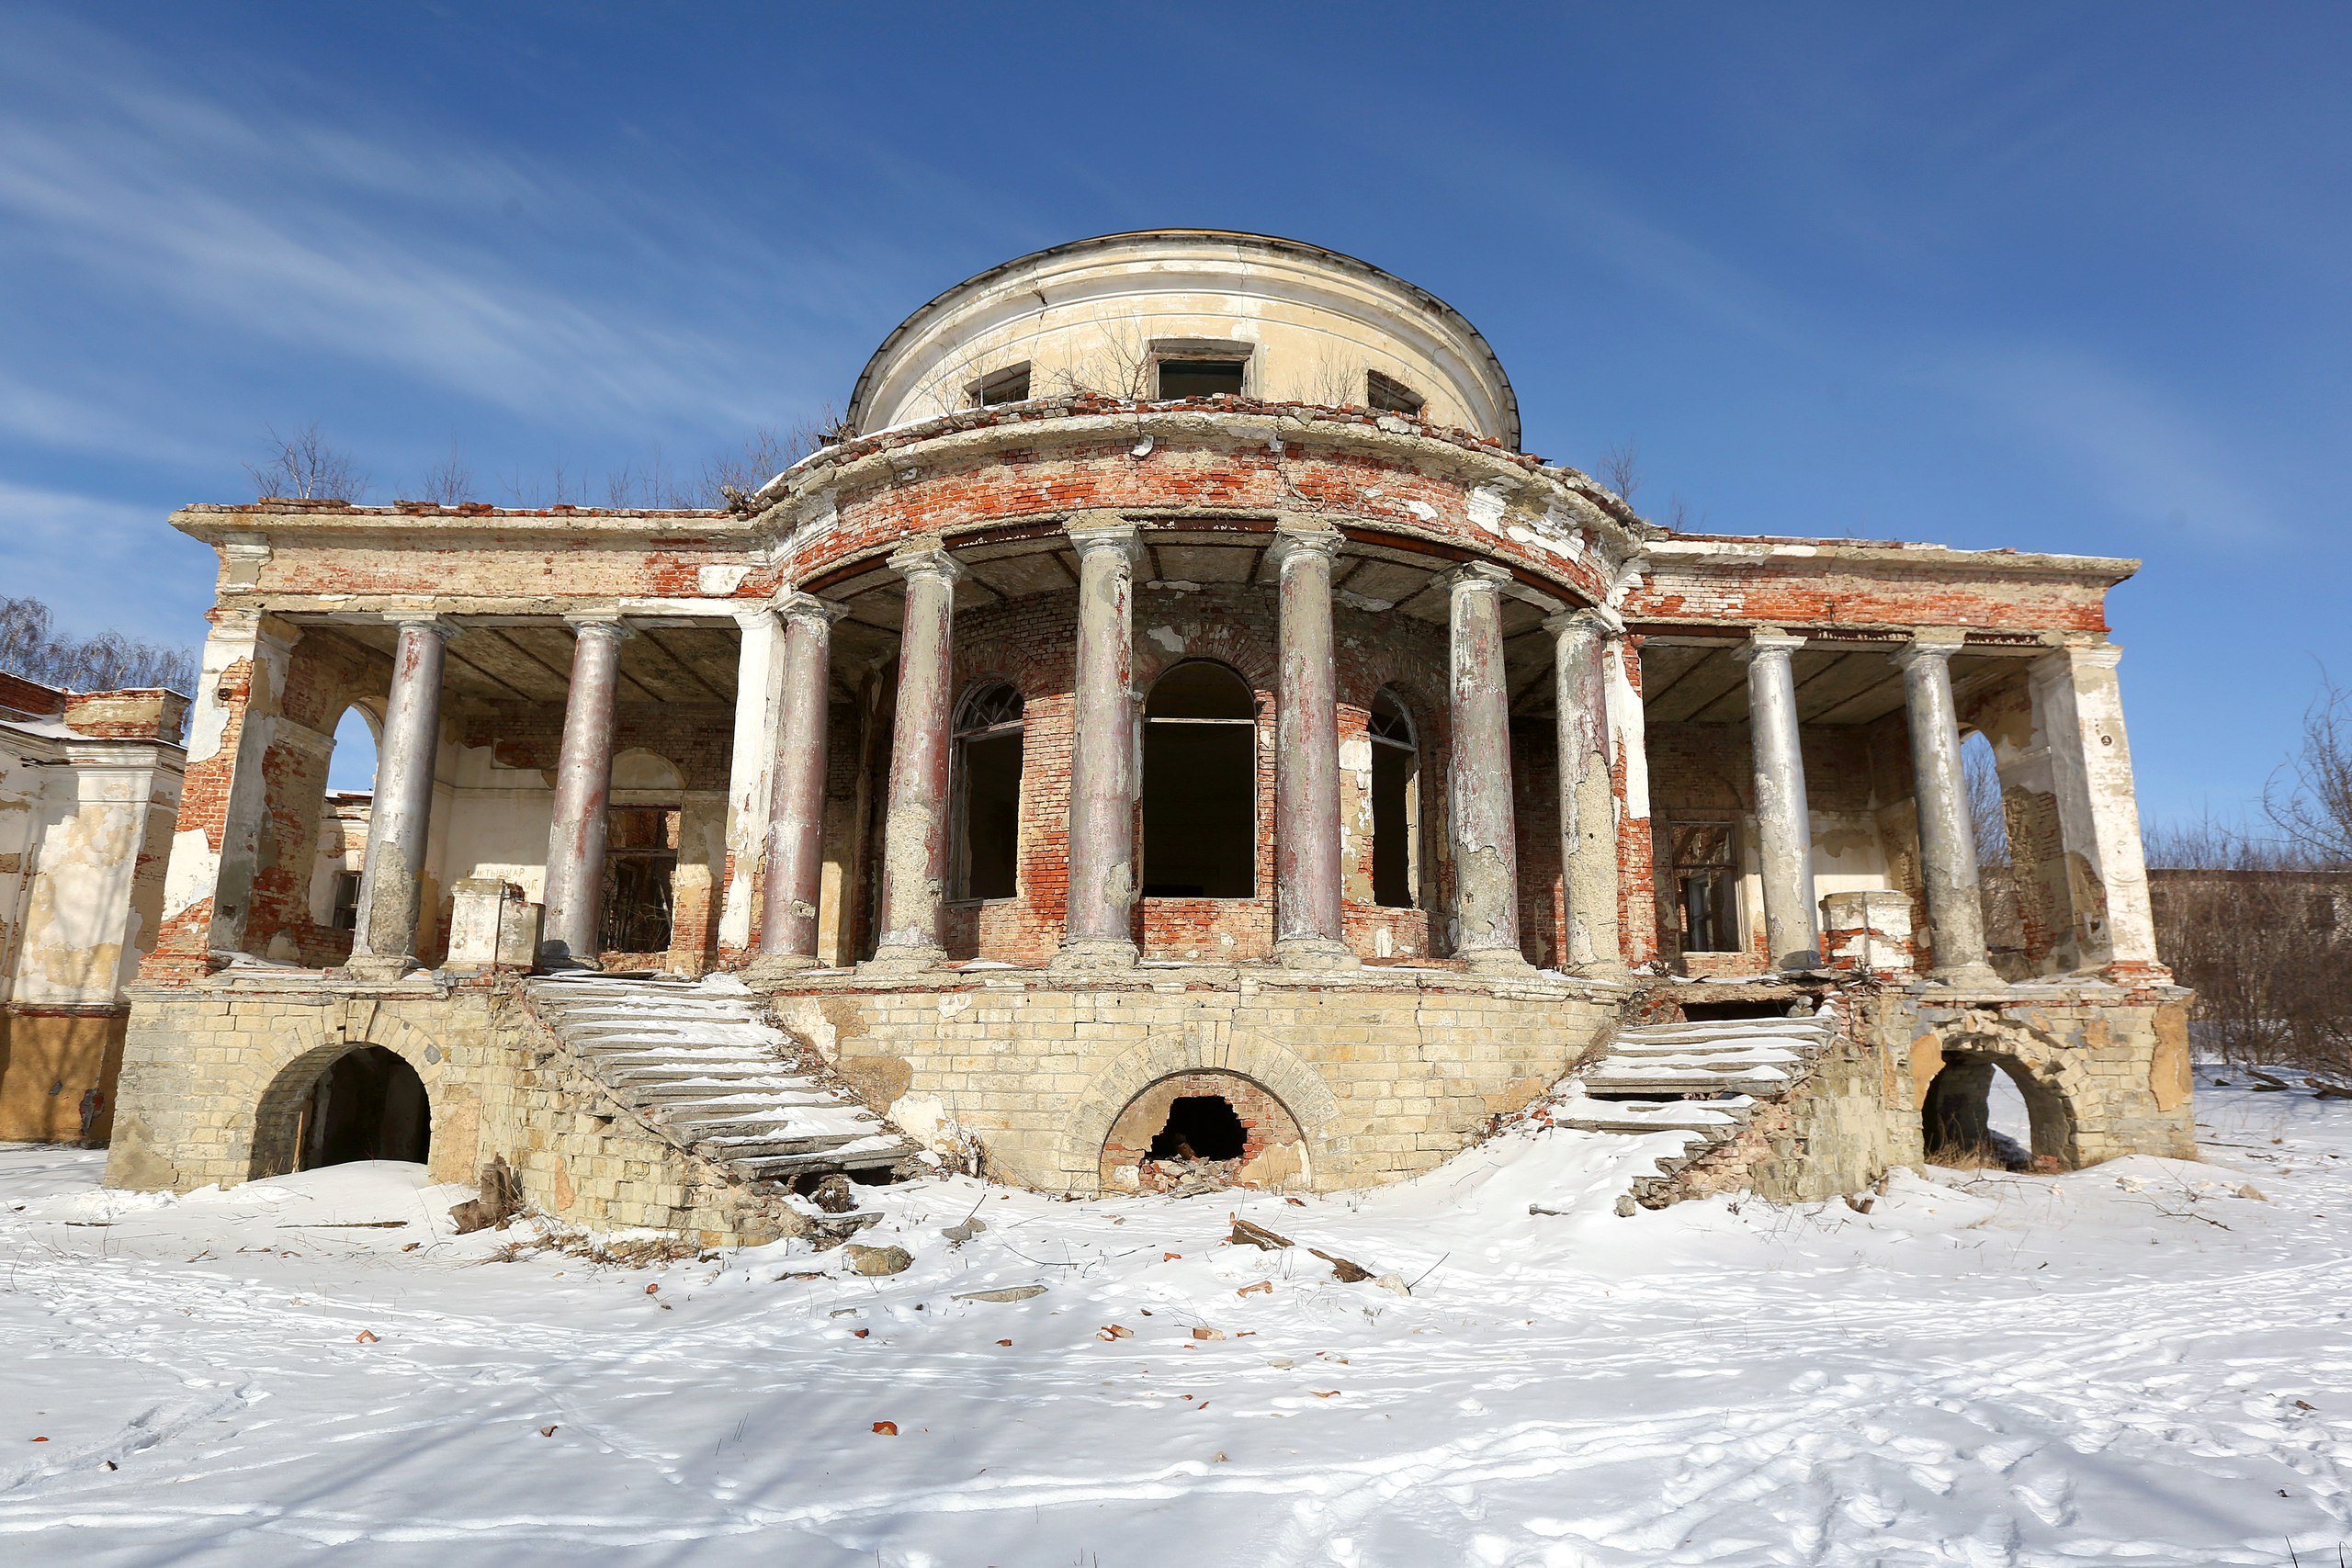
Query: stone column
[1309, 933]
[795, 843]
[759, 676]
[1947, 840]
[1099, 906]
[2078, 705]
[1629, 756]
[1485, 841]
[583, 786]
[914, 831]
[384, 945]
[1587, 795]
[1783, 824]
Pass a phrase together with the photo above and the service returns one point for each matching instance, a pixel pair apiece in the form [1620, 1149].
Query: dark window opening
[1201, 378]
[1201, 1126]
[987, 827]
[1706, 887]
[1395, 804]
[1009, 386]
[369, 1105]
[346, 902]
[1389, 395]
[640, 864]
[1200, 778]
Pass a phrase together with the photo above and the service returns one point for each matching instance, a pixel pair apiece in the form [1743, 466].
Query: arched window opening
[343, 821]
[1986, 1110]
[987, 825]
[1395, 804]
[368, 1104]
[1200, 785]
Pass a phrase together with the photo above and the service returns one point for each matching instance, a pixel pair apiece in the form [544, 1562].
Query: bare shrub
[1620, 469]
[2262, 929]
[2309, 799]
[448, 482]
[303, 467]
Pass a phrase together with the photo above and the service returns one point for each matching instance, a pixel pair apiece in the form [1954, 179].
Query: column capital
[423, 620]
[927, 558]
[2097, 655]
[1593, 620]
[1768, 642]
[1294, 536]
[1091, 531]
[1929, 642]
[795, 605]
[603, 623]
[1475, 574]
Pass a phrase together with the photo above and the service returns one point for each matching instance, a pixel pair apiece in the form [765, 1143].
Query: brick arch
[1275, 1152]
[2050, 1076]
[272, 1087]
[1292, 1082]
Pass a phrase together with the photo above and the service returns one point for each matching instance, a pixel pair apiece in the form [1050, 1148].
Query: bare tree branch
[302, 466]
[448, 482]
[1621, 468]
[31, 647]
[2309, 798]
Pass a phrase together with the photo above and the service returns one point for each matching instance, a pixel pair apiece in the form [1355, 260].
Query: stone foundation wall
[1386, 1073]
[2105, 1072]
[214, 1078]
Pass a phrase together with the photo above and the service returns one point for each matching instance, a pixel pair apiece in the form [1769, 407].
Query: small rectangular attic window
[1007, 386]
[1388, 395]
[1201, 378]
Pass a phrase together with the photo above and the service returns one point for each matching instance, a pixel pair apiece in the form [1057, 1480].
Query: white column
[1587, 799]
[796, 850]
[914, 834]
[759, 674]
[1308, 931]
[2079, 706]
[400, 817]
[574, 897]
[1484, 832]
[1783, 820]
[1099, 904]
[1948, 866]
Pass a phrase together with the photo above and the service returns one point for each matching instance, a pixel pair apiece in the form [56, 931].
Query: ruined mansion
[1173, 726]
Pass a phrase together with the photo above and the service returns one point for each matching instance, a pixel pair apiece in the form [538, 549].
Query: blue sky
[2060, 277]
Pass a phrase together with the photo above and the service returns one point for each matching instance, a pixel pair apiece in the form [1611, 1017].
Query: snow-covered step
[1657, 1115]
[699, 1062]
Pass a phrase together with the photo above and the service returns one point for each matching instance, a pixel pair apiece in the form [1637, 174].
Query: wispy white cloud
[103, 563]
[2130, 445]
[387, 252]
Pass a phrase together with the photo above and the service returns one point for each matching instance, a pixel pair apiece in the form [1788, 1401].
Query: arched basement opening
[1197, 1131]
[1985, 1109]
[368, 1104]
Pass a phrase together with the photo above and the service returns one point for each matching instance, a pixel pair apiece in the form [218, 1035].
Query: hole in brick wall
[1199, 1126]
[369, 1104]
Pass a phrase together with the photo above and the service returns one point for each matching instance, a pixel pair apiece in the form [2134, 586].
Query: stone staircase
[1702, 1081]
[700, 1063]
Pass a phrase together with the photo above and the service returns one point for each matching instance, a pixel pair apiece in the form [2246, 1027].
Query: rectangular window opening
[1706, 887]
[1201, 378]
[1388, 395]
[346, 901]
[1007, 386]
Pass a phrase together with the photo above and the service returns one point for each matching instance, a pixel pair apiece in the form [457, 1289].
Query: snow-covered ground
[2131, 1363]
